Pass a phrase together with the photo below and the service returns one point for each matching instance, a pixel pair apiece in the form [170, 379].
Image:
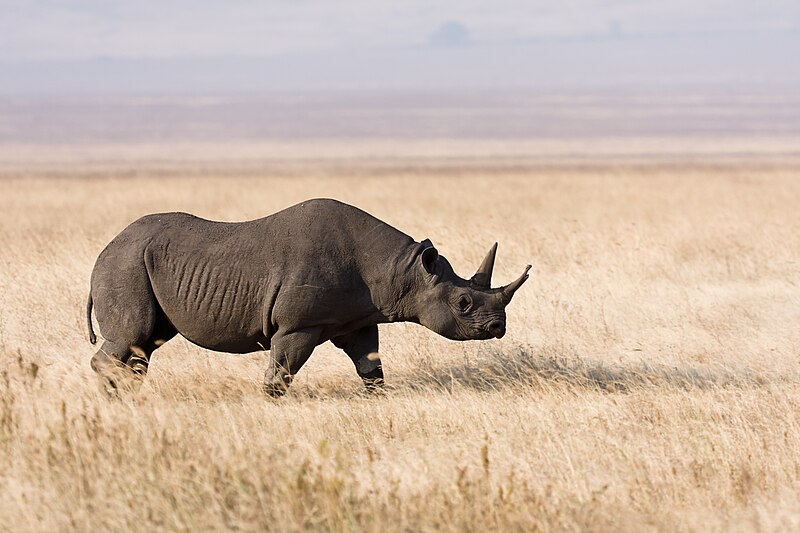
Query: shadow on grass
[524, 367]
[543, 368]
[536, 368]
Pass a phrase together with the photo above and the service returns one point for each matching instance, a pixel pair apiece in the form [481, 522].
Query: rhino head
[457, 308]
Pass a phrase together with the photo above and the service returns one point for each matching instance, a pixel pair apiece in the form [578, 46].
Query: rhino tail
[89, 304]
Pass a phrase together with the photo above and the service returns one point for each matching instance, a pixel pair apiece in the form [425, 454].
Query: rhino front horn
[483, 277]
[511, 288]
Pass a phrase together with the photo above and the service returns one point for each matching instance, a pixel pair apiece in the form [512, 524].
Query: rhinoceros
[318, 271]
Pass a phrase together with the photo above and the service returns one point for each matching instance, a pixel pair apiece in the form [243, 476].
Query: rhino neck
[395, 298]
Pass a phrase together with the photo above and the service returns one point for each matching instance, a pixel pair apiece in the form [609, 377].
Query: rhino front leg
[362, 348]
[288, 354]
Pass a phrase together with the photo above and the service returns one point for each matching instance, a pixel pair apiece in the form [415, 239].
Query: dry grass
[649, 379]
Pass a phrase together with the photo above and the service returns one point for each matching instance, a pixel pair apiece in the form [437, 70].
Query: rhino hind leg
[120, 363]
[362, 348]
[130, 318]
[110, 365]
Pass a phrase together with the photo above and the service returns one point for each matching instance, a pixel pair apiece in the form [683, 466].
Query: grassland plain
[649, 381]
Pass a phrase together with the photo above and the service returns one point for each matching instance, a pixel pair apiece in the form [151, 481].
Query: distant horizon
[578, 113]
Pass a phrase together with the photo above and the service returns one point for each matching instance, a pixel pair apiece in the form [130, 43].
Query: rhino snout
[497, 328]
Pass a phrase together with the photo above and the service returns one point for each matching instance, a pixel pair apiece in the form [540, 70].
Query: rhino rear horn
[509, 290]
[483, 277]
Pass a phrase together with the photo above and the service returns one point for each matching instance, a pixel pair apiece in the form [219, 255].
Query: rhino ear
[429, 256]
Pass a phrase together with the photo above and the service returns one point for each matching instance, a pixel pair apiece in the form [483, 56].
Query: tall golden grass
[649, 379]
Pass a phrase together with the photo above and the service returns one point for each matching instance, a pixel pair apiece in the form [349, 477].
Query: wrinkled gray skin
[318, 271]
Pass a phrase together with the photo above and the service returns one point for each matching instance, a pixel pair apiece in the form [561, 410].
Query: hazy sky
[53, 29]
[201, 46]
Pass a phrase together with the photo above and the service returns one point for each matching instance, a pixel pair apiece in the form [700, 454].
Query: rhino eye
[464, 303]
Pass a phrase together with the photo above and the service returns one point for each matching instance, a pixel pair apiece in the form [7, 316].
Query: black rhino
[320, 270]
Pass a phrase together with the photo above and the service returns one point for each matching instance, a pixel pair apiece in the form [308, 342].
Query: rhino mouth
[496, 328]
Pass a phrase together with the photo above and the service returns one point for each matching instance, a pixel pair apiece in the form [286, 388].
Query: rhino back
[331, 242]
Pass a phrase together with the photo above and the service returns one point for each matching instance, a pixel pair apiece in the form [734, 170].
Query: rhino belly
[212, 306]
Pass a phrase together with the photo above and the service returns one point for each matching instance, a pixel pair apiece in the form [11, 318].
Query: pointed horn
[483, 277]
[511, 288]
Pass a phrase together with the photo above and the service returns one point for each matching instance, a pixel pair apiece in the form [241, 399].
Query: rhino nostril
[497, 328]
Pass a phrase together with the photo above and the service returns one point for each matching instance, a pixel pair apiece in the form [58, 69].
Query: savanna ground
[650, 377]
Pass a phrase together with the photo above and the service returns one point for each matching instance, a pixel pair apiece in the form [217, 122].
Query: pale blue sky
[247, 45]
[48, 29]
